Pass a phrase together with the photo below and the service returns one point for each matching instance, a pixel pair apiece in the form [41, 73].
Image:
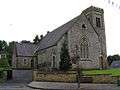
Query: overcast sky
[23, 19]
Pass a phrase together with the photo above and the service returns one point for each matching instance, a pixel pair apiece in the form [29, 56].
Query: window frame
[98, 22]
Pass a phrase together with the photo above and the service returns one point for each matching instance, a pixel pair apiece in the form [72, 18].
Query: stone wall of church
[82, 32]
[94, 14]
[74, 38]
[23, 62]
[59, 46]
[101, 30]
[46, 56]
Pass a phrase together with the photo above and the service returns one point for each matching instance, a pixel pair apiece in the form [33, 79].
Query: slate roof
[115, 64]
[53, 37]
[25, 49]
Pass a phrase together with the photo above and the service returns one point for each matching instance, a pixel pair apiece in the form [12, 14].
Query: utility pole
[78, 69]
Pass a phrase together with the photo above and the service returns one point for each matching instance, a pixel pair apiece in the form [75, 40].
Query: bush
[4, 63]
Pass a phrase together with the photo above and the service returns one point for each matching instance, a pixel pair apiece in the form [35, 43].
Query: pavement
[15, 85]
[71, 86]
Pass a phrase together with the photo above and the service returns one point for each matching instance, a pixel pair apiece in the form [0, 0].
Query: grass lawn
[112, 72]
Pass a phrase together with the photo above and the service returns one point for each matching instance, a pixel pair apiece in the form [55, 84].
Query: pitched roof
[53, 37]
[25, 49]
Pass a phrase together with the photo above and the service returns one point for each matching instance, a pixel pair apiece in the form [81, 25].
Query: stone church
[86, 31]
[85, 37]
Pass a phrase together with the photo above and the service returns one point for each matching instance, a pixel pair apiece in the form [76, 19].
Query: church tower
[95, 17]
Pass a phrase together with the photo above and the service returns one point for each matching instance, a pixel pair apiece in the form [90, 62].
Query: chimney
[48, 32]
[41, 37]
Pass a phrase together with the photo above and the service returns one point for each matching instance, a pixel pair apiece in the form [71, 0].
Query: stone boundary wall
[54, 77]
[71, 77]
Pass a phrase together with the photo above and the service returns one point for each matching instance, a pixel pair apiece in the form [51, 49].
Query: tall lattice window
[84, 52]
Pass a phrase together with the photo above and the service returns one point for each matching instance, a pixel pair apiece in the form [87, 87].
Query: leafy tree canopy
[113, 58]
[3, 46]
[36, 39]
[10, 52]
[4, 50]
[4, 63]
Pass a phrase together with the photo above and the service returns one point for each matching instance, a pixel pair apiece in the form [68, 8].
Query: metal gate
[22, 75]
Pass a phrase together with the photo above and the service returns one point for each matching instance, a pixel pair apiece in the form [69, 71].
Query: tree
[36, 39]
[4, 63]
[65, 63]
[3, 49]
[10, 52]
[113, 58]
[3, 46]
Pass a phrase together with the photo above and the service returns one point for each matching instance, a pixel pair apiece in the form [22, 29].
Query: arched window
[53, 58]
[84, 52]
[53, 62]
[32, 63]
